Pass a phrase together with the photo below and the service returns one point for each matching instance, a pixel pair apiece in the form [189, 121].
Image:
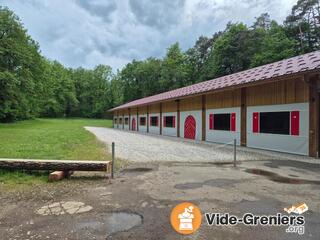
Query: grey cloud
[88, 33]
[102, 9]
[160, 14]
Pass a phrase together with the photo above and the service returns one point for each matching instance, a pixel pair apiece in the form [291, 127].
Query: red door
[190, 127]
[133, 125]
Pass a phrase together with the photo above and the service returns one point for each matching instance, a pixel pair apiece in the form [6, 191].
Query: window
[169, 121]
[120, 120]
[126, 121]
[222, 121]
[275, 122]
[154, 121]
[142, 121]
[115, 120]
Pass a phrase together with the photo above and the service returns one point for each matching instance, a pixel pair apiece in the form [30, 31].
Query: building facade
[273, 107]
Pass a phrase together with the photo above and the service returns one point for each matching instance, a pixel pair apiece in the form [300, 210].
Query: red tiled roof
[286, 67]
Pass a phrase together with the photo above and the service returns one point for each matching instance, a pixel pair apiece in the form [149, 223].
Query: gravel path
[140, 147]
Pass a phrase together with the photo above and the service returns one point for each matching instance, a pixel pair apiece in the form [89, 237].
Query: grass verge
[49, 139]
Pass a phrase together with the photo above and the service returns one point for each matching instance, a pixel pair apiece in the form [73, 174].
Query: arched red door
[190, 127]
[133, 125]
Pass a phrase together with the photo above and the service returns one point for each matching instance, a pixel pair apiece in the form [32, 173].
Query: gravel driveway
[140, 147]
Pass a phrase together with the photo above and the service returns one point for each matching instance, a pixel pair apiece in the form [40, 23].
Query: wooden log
[56, 176]
[56, 165]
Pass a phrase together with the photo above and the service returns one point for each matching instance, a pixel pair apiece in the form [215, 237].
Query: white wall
[197, 116]
[142, 128]
[283, 143]
[115, 125]
[169, 131]
[153, 129]
[126, 126]
[221, 136]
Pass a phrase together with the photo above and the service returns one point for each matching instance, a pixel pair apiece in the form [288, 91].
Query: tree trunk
[57, 165]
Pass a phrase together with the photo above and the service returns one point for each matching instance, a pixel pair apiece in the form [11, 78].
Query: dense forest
[32, 86]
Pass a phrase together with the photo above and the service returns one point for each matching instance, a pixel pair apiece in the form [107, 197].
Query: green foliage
[174, 71]
[32, 86]
[274, 46]
[19, 60]
[303, 25]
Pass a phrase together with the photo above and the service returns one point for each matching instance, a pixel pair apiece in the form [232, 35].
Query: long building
[273, 107]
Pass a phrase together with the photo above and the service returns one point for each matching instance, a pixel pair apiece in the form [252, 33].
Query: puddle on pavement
[278, 178]
[139, 169]
[212, 182]
[132, 172]
[314, 167]
[113, 223]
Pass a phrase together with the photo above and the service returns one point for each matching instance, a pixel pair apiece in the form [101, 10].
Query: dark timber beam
[129, 119]
[137, 122]
[243, 117]
[178, 117]
[160, 120]
[203, 117]
[117, 119]
[313, 115]
[147, 119]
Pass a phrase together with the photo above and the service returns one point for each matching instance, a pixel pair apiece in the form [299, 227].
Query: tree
[174, 72]
[60, 91]
[197, 58]
[262, 22]
[233, 50]
[275, 46]
[19, 59]
[303, 24]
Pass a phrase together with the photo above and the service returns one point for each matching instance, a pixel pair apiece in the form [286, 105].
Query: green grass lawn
[49, 139]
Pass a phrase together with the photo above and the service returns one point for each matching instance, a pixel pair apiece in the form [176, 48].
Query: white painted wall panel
[220, 136]
[197, 117]
[143, 128]
[169, 131]
[277, 142]
[153, 129]
[126, 126]
[115, 125]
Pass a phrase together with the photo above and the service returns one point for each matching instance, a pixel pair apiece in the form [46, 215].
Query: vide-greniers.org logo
[295, 223]
[186, 218]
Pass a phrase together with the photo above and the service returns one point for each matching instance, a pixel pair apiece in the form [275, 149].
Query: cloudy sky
[90, 32]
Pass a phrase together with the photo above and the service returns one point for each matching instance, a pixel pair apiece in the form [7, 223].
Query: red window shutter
[174, 121]
[295, 122]
[211, 119]
[150, 121]
[164, 121]
[233, 122]
[157, 122]
[255, 122]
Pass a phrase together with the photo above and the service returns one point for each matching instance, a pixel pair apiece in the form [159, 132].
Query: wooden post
[243, 118]
[147, 119]
[160, 120]
[123, 120]
[313, 119]
[203, 117]
[137, 122]
[129, 118]
[178, 117]
[117, 119]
